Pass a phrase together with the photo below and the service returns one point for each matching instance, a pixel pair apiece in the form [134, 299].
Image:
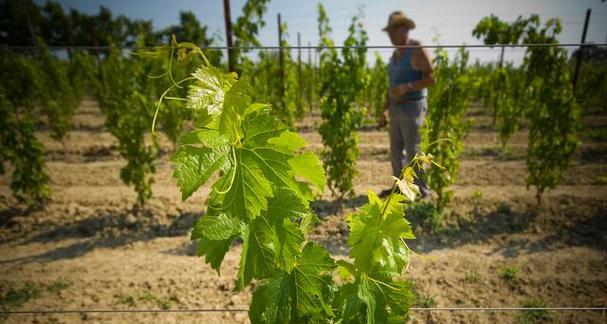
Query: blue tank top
[401, 71]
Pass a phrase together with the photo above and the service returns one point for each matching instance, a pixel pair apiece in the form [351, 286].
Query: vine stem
[171, 69]
[160, 101]
[175, 98]
[221, 192]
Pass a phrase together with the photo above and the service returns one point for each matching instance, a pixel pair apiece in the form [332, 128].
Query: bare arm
[423, 62]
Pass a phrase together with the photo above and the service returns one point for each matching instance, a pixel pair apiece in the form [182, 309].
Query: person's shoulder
[416, 42]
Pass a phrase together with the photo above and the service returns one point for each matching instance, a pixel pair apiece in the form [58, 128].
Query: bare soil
[88, 249]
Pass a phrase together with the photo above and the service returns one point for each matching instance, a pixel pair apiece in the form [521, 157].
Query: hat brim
[410, 24]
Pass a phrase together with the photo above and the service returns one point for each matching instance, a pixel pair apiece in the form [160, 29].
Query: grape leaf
[216, 227]
[282, 210]
[257, 256]
[258, 163]
[260, 126]
[209, 90]
[246, 190]
[289, 240]
[214, 251]
[309, 167]
[200, 154]
[237, 101]
[215, 235]
[376, 238]
[289, 140]
[374, 300]
[306, 290]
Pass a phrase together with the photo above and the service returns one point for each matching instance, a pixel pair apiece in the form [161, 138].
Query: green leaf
[260, 126]
[261, 130]
[203, 138]
[376, 238]
[308, 222]
[200, 154]
[309, 167]
[286, 204]
[257, 256]
[289, 240]
[289, 140]
[215, 235]
[214, 251]
[306, 291]
[216, 227]
[346, 269]
[282, 210]
[209, 90]
[374, 300]
[246, 189]
[314, 288]
[237, 101]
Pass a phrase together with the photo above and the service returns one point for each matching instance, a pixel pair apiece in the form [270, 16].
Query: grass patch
[509, 273]
[471, 276]
[533, 316]
[58, 285]
[477, 195]
[16, 297]
[132, 299]
[422, 299]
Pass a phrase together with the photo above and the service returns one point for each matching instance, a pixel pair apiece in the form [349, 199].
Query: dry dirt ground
[86, 249]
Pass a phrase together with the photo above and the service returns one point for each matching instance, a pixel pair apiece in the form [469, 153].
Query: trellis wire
[247, 48]
[240, 310]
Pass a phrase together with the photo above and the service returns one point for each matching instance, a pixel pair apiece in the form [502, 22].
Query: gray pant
[405, 122]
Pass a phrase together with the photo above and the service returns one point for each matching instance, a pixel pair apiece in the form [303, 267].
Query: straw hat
[397, 19]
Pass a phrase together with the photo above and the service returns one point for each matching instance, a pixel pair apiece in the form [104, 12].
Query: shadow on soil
[518, 233]
[105, 230]
[512, 232]
[324, 207]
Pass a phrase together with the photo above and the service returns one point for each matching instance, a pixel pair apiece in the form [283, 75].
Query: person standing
[410, 74]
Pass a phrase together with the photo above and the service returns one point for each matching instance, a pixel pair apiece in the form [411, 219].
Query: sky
[438, 21]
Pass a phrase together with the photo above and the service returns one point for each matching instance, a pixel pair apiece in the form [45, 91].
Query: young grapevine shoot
[264, 185]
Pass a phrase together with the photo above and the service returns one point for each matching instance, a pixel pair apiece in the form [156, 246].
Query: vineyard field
[86, 250]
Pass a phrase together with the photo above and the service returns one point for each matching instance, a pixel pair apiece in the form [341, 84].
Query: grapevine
[82, 73]
[342, 84]
[39, 86]
[261, 197]
[553, 113]
[449, 102]
[551, 108]
[272, 84]
[377, 87]
[505, 90]
[127, 105]
[245, 30]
